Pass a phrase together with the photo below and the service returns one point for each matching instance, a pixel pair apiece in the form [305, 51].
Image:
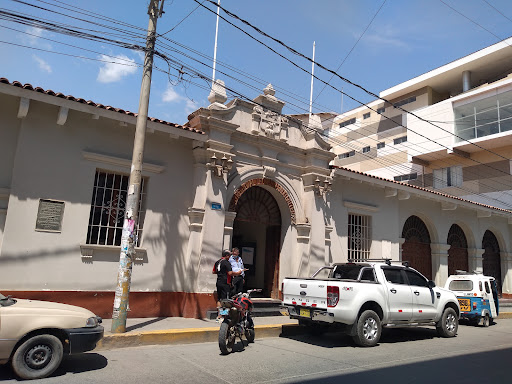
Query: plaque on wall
[49, 215]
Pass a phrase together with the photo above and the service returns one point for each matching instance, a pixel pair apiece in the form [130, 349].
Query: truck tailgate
[305, 292]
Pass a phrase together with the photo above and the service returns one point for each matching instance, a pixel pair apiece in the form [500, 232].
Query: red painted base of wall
[507, 295]
[142, 304]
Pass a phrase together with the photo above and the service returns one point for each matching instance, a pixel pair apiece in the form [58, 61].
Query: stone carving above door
[269, 123]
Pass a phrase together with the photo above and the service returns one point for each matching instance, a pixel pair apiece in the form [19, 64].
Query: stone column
[439, 263]
[328, 230]
[506, 272]
[303, 232]
[228, 229]
[401, 242]
[475, 260]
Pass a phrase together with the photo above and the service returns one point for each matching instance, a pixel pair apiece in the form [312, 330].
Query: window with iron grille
[108, 208]
[359, 237]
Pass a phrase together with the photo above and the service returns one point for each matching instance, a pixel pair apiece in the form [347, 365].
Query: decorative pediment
[269, 123]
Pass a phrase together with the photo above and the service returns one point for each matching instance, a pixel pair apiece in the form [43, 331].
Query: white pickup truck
[364, 296]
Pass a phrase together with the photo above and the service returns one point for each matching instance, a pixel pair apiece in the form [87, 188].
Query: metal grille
[108, 207]
[359, 237]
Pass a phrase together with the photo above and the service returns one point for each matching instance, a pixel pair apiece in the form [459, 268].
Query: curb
[185, 336]
[505, 315]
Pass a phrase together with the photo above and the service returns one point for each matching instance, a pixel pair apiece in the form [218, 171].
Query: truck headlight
[93, 321]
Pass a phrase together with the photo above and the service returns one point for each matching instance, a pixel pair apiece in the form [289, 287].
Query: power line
[181, 21]
[351, 49]
[330, 71]
[497, 10]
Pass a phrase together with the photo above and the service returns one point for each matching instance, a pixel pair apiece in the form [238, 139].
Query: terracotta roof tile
[93, 104]
[423, 189]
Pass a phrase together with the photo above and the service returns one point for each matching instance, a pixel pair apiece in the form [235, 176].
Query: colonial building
[236, 174]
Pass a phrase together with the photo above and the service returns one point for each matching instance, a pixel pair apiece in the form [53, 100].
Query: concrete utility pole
[129, 236]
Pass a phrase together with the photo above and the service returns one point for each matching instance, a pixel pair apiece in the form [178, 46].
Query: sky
[381, 43]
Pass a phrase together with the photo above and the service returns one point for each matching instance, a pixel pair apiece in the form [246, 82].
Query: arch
[263, 182]
[458, 252]
[258, 205]
[416, 247]
[491, 262]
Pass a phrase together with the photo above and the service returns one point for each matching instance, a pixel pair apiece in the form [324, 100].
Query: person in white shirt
[237, 265]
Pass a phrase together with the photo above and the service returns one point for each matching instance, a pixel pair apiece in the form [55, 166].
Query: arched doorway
[416, 248]
[257, 231]
[491, 257]
[458, 252]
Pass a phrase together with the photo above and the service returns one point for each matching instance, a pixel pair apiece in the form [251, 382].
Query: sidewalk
[179, 330]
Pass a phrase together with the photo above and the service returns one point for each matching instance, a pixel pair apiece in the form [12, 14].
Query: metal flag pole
[312, 76]
[215, 48]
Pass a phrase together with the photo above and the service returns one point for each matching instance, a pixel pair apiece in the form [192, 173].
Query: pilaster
[439, 263]
[475, 260]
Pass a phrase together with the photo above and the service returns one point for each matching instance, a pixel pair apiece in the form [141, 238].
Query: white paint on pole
[215, 47]
[312, 77]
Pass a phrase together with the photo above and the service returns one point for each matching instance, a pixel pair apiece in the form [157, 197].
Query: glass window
[461, 285]
[448, 177]
[394, 275]
[416, 279]
[381, 110]
[381, 145]
[487, 288]
[400, 140]
[108, 206]
[366, 149]
[368, 275]
[366, 115]
[347, 154]
[346, 271]
[480, 286]
[348, 122]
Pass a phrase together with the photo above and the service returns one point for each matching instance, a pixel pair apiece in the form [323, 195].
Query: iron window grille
[108, 207]
[359, 237]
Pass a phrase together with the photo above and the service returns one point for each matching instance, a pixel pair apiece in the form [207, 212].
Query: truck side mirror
[431, 284]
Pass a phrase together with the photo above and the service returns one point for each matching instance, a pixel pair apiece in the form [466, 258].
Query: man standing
[223, 269]
[237, 265]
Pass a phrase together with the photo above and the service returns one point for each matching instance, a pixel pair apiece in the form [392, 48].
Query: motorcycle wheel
[249, 335]
[226, 338]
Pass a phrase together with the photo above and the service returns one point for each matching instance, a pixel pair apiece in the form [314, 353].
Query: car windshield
[347, 271]
[461, 285]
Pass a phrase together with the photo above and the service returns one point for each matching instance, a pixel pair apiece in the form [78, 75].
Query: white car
[34, 335]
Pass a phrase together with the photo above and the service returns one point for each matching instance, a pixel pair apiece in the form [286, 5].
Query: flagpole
[215, 48]
[312, 76]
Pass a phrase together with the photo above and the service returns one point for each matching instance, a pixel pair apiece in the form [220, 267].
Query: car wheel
[37, 357]
[448, 325]
[369, 329]
[486, 321]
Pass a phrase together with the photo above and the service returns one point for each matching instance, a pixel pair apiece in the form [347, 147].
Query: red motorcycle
[236, 320]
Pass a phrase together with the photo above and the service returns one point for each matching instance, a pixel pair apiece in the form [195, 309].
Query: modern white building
[236, 174]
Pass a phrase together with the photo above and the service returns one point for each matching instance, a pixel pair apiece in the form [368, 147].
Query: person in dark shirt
[223, 270]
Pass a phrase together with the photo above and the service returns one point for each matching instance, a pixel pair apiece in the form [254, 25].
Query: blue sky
[405, 39]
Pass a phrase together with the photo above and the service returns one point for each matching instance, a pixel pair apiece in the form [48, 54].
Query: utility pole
[129, 235]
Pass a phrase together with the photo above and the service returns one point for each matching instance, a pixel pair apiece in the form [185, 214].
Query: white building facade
[236, 174]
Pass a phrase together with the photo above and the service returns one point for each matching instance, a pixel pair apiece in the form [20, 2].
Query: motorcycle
[236, 320]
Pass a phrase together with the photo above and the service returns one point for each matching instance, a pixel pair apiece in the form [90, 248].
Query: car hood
[48, 306]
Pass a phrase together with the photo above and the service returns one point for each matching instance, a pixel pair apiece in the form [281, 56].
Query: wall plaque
[49, 215]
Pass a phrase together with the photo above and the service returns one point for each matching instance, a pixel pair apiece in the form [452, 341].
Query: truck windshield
[346, 271]
[461, 285]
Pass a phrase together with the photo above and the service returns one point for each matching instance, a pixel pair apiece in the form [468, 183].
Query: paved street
[477, 354]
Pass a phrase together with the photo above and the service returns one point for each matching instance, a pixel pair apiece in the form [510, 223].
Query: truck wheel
[369, 329]
[448, 325]
[486, 321]
[38, 357]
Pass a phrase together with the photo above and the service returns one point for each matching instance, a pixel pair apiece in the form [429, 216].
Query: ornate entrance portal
[257, 233]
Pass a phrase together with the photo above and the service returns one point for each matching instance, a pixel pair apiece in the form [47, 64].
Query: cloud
[171, 96]
[388, 37]
[115, 68]
[43, 65]
[34, 38]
